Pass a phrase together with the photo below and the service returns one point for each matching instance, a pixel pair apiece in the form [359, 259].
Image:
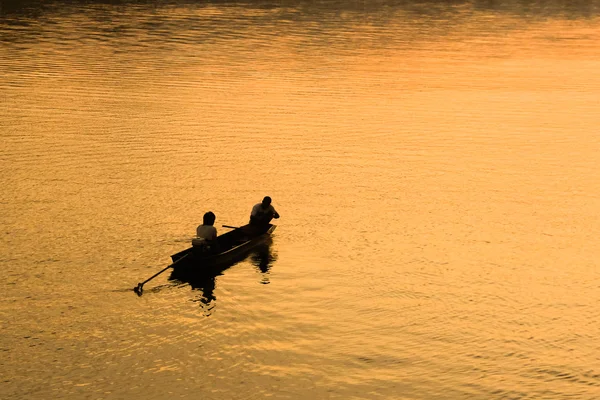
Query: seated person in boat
[263, 213]
[206, 234]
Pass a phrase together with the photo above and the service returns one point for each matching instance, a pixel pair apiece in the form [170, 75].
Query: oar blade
[139, 289]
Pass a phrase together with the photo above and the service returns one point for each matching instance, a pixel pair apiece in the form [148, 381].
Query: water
[434, 163]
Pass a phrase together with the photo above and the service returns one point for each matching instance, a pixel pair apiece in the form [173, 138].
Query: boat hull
[234, 247]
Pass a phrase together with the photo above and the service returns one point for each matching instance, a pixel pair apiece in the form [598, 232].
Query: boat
[232, 246]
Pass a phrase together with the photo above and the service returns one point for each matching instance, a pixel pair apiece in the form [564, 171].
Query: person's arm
[275, 213]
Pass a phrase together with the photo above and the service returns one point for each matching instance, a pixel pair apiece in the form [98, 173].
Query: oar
[139, 288]
[230, 227]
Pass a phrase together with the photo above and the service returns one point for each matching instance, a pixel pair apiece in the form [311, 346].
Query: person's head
[209, 218]
[266, 201]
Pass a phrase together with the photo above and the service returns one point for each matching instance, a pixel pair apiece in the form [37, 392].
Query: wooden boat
[232, 247]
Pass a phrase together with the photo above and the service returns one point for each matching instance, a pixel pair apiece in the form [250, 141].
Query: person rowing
[262, 213]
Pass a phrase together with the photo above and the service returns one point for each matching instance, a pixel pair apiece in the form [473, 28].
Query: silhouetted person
[263, 213]
[206, 234]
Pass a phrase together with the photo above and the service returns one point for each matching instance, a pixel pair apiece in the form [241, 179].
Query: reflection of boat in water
[200, 273]
[233, 246]
[263, 258]
[206, 288]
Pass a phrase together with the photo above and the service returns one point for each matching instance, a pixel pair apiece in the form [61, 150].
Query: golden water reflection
[435, 165]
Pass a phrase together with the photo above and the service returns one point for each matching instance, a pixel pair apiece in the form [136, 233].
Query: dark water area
[521, 8]
[435, 165]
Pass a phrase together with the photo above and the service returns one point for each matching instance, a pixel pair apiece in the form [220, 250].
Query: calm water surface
[435, 165]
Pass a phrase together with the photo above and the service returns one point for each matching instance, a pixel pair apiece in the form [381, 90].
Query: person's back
[206, 234]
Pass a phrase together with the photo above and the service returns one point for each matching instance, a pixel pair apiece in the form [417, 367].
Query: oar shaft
[138, 288]
[231, 227]
[157, 274]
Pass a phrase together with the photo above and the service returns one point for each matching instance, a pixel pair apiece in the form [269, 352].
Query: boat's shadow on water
[262, 257]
